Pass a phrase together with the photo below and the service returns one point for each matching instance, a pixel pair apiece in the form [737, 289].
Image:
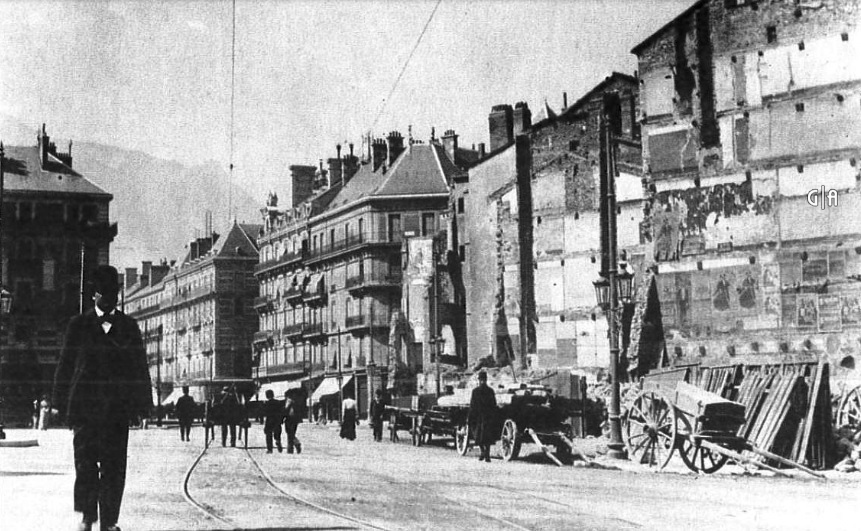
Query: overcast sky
[156, 76]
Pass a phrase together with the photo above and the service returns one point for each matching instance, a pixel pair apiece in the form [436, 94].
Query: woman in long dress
[349, 420]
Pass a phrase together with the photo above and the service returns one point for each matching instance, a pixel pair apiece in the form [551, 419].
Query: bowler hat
[106, 280]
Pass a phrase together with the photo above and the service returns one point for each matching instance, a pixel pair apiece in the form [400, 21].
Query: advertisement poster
[788, 306]
[770, 277]
[829, 313]
[806, 311]
[850, 311]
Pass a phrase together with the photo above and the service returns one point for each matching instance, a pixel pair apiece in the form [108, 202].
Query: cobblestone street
[396, 486]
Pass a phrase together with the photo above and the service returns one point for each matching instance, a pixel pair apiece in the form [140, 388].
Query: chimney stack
[146, 268]
[522, 118]
[482, 150]
[334, 171]
[379, 149]
[395, 145]
[449, 142]
[131, 276]
[564, 100]
[501, 126]
[44, 145]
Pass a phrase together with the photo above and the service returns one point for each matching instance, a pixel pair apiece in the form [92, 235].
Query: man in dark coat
[273, 413]
[229, 414]
[102, 384]
[482, 416]
[185, 408]
[376, 412]
[292, 419]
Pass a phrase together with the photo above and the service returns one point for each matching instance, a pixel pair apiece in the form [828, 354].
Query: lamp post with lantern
[613, 288]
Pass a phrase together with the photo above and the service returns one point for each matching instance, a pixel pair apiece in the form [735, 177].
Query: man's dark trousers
[100, 468]
[185, 429]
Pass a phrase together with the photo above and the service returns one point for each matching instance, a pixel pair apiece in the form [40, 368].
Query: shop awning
[279, 388]
[329, 386]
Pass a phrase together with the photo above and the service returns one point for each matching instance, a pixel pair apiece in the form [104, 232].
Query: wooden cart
[669, 415]
[849, 410]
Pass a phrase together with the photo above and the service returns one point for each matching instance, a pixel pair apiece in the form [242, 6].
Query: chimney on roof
[146, 269]
[334, 165]
[522, 118]
[449, 142]
[379, 148]
[501, 126]
[158, 272]
[395, 146]
[482, 151]
[131, 276]
[44, 145]
[301, 182]
[564, 100]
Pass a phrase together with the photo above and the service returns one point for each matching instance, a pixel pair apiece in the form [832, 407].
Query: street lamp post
[5, 296]
[612, 288]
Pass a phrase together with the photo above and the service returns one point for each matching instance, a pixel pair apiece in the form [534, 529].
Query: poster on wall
[770, 277]
[850, 311]
[806, 311]
[829, 313]
[748, 289]
[722, 285]
[788, 310]
[771, 310]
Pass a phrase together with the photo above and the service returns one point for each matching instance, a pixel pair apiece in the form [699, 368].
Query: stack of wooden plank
[787, 405]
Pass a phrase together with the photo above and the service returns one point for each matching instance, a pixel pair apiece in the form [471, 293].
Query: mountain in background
[159, 205]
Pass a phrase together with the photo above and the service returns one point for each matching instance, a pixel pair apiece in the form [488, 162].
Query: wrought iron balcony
[316, 295]
[262, 337]
[292, 331]
[361, 322]
[293, 293]
[315, 330]
[364, 282]
[352, 243]
[262, 303]
[287, 259]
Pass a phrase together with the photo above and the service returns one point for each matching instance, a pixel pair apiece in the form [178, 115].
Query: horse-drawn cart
[526, 413]
[669, 415]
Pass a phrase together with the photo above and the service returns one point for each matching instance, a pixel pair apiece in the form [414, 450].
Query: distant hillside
[160, 205]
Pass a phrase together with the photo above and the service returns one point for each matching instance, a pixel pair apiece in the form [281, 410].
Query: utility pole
[435, 329]
[340, 382]
[158, 411]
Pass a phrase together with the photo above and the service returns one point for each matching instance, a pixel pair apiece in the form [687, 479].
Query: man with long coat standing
[185, 409]
[102, 384]
[482, 416]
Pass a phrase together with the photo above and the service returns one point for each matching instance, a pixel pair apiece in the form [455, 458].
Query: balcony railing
[262, 303]
[317, 294]
[351, 243]
[362, 282]
[284, 260]
[293, 293]
[291, 331]
[283, 368]
[313, 330]
[262, 336]
[361, 321]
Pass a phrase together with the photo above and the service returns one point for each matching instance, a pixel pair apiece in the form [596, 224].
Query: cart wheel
[417, 431]
[650, 430]
[696, 457]
[850, 409]
[461, 439]
[510, 440]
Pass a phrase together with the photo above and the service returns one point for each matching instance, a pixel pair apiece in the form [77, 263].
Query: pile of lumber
[787, 404]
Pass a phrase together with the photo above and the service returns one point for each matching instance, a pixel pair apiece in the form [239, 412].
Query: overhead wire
[232, 111]
[406, 64]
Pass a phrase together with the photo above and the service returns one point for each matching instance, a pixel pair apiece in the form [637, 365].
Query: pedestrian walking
[349, 420]
[273, 412]
[482, 415]
[228, 414]
[101, 385]
[292, 419]
[376, 412]
[44, 413]
[36, 414]
[185, 409]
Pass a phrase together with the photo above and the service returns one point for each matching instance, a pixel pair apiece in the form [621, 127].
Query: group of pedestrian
[41, 413]
[276, 413]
